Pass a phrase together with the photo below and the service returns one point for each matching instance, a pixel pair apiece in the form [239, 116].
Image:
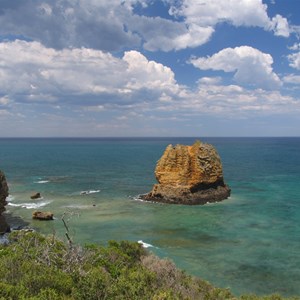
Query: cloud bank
[92, 24]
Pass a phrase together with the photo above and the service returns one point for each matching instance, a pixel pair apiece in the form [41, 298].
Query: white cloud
[295, 47]
[67, 23]
[148, 74]
[211, 12]
[4, 101]
[92, 24]
[210, 80]
[41, 74]
[233, 101]
[292, 79]
[167, 35]
[294, 60]
[251, 66]
[236, 12]
[280, 26]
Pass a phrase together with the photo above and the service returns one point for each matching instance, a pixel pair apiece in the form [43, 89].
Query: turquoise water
[249, 243]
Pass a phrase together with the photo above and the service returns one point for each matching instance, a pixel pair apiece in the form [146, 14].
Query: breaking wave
[89, 192]
[145, 245]
[30, 205]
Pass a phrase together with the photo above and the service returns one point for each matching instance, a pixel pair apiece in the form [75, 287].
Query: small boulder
[42, 215]
[36, 196]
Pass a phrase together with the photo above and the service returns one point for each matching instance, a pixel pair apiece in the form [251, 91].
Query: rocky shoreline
[186, 196]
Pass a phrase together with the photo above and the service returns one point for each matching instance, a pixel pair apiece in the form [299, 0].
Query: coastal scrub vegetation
[34, 266]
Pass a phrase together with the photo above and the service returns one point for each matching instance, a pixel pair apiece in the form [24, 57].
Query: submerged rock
[36, 196]
[42, 215]
[189, 175]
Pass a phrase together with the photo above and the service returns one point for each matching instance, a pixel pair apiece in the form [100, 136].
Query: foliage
[37, 267]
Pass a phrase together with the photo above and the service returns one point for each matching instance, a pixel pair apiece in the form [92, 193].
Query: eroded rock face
[4, 227]
[3, 192]
[189, 175]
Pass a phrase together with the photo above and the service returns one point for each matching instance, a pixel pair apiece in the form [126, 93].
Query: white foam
[145, 245]
[89, 192]
[79, 206]
[30, 205]
[42, 181]
[10, 198]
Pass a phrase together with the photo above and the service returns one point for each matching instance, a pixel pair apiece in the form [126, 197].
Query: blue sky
[149, 68]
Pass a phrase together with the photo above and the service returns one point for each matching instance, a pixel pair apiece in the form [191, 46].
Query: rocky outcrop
[42, 215]
[35, 196]
[4, 227]
[3, 192]
[189, 175]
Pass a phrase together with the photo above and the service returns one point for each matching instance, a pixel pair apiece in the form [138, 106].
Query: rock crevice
[189, 175]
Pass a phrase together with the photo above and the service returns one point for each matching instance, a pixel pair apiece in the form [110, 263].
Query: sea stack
[189, 175]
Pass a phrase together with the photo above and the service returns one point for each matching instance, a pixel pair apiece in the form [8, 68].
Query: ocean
[249, 243]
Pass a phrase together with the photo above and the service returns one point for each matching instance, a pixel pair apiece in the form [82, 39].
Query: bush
[37, 267]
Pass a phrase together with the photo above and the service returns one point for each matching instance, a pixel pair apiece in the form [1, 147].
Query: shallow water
[249, 242]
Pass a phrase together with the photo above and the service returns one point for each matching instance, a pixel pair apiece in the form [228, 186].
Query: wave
[52, 179]
[30, 205]
[10, 198]
[145, 245]
[42, 181]
[79, 206]
[89, 192]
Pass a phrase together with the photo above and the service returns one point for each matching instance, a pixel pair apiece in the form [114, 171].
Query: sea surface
[249, 243]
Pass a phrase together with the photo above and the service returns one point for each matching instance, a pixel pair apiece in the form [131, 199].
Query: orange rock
[42, 215]
[189, 165]
[189, 175]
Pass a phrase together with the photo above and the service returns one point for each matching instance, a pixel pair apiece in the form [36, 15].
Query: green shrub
[37, 267]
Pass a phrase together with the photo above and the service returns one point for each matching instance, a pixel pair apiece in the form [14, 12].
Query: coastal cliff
[3, 192]
[4, 227]
[189, 175]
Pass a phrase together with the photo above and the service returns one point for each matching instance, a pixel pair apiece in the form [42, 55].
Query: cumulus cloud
[251, 66]
[294, 60]
[4, 101]
[234, 101]
[295, 47]
[292, 79]
[280, 26]
[30, 72]
[167, 35]
[148, 74]
[92, 24]
[67, 23]
[236, 12]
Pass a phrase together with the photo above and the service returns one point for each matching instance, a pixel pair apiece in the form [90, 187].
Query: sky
[119, 68]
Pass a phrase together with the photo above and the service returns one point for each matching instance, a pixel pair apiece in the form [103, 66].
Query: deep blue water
[249, 243]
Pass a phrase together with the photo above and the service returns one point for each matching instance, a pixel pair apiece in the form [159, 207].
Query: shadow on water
[10, 222]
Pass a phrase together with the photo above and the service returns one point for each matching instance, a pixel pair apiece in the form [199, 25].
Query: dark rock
[36, 196]
[4, 227]
[3, 192]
